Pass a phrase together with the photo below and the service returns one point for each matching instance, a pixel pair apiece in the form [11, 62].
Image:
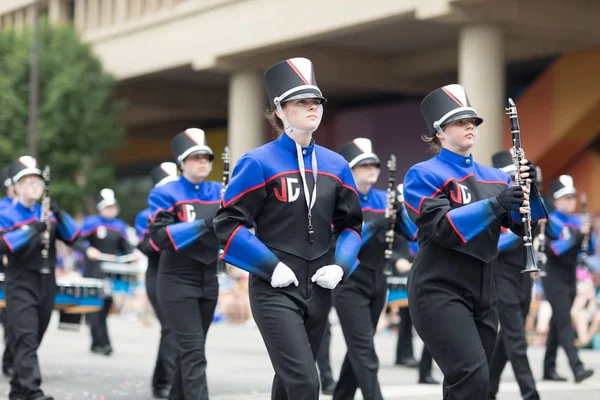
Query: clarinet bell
[529, 265]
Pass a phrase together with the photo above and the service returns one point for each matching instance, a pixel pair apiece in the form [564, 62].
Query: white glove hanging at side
[283, 276]
[328, 276]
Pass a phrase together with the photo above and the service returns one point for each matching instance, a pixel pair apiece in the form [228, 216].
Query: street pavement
[239, 368]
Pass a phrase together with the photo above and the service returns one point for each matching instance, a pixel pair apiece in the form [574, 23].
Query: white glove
[283, 276]
[328, 276]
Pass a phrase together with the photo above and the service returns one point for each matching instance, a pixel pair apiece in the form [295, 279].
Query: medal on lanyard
[310, 200]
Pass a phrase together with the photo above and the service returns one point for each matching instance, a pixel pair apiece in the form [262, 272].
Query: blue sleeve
[141, 223]
[346, 250]
[242, 202]
[507, 240]
[88, 226]
[166, 232]
[562, 244]
[368, 231]
[430, 210]
[182, 234]
[405, 226]
[246, 251]
[413, 247]
[68, 230]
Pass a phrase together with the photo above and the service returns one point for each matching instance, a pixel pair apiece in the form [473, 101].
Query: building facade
[183, 63]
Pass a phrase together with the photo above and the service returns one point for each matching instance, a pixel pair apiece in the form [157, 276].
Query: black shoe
[409, 362]
[428, 380]
[583, 374]
[161, 393]
[104, 350]
[39, 396]
[7, 371]
[328, 388]
[553, 376]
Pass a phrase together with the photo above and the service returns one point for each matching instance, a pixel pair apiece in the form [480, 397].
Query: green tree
[80, 121]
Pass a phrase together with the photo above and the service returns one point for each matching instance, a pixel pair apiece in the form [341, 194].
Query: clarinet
[45, 218]
[390, 215]
[540, 241]
[221, 267]
[518, 155]
[585, 244]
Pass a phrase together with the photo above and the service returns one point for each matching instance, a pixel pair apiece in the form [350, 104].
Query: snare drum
[81, 295]
[121, 278]
[397, 295]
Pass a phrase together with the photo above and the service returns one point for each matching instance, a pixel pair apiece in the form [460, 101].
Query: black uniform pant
[7, 356]
[404, 347]
[29, 302]
[167, 348]
[358, 303]
[560, 295]
[323, 359]
[99, 325]
[456, 316]
[291, 321]
[188, 303]
[512, 346]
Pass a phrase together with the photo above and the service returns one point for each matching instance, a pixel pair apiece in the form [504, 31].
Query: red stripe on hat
[291, 64]
[453, 98]
[191, 137]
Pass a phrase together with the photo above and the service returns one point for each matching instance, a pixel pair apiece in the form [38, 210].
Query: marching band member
[360, 300]
[459, 207]
[182, 213]
[30, 281]
[102, 233]
[167, 350]
[514, 299]
[300, 197]
[560, 283]
[5, 202]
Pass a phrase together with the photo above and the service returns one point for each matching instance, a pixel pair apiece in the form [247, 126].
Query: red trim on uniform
[171, 238]
[373, 211]
[297, 171]
[418, 211]
[455, 229]
[8, 244]
[235, 231]
[154, 246]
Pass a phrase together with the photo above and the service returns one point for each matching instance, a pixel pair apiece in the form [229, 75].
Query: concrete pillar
[246, 123]
[58, 11]
[80, 15]
[93, 14]
[106, 14]
[121, 14]
[481, 71]
[19, 21]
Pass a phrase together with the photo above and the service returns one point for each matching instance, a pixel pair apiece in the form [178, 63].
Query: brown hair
[435, 146]
[275, 122]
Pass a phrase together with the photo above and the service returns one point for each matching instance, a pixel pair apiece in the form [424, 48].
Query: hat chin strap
[439, 130]
[287, 126]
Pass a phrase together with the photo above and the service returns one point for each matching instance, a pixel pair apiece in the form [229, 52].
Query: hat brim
[566, 191]
[301, 93]
[461, 113]
[196, 150]
[369, 160]
[25, 172]
[107, 203]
